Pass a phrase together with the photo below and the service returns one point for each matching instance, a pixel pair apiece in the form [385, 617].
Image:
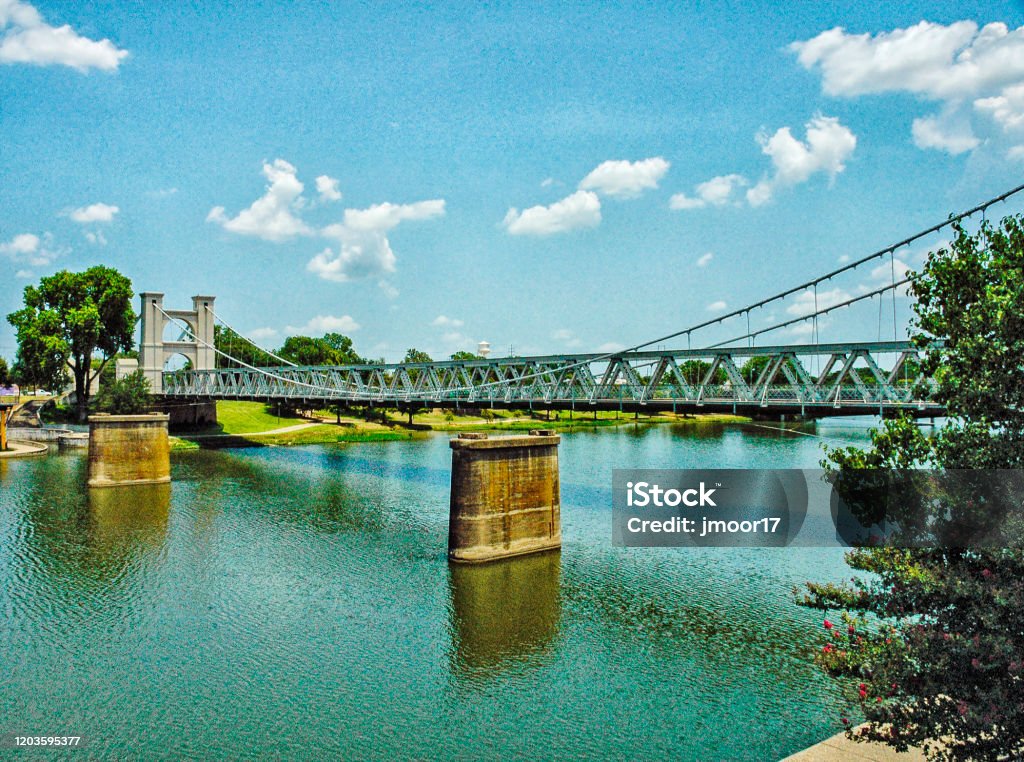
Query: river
[298, 602]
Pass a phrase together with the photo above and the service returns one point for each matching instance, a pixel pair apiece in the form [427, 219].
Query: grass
[249, 424]
[248, 417]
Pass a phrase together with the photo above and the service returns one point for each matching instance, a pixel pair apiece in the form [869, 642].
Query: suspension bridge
[813, 379]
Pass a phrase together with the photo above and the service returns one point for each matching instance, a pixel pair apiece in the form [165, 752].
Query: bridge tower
[154, 351]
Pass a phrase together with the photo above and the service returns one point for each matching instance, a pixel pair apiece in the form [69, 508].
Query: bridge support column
[128, 449]
[505, 498]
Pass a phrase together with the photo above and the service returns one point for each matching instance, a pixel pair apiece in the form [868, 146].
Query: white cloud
[273, 216]
[547, 182]
[388, 288]
[715, 192]
[566, 336]
[958, 65]
[94, 213]
[625, 179]
[705, 259]
[96, 238]
[844, 258]
[939, 133]
[444, 321]
[363, 247]
[327, 187]
[381, 218]
[322, 324]
[23, 274]
[30, 249]
[885, 273]
[611, 346]
[582, 209]
[1016, 153]
[806, 303]
[717, 306]
[262, 334]
[828, 145]
[161, 192]
[30, 40]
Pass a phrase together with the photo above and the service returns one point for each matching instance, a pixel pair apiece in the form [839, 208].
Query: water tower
[483, 349]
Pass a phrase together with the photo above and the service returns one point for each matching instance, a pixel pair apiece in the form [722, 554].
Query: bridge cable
[952, 220]
[246, 338]
[261, 371]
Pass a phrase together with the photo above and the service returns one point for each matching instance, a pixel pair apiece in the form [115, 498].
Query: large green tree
[931, 644]
[67, 320]
[332, 349]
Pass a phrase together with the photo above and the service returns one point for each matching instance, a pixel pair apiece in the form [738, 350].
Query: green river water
[297, 602]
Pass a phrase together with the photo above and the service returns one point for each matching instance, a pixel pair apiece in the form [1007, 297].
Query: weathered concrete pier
[505, 498]
[128, 449]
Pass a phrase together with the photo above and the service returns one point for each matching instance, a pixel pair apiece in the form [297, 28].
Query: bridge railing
[851, 377]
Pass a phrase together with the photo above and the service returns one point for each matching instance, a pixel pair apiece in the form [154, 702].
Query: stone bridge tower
[154, 351]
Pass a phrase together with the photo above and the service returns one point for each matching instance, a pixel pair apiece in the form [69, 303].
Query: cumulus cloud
[582, 209]
[806, 303]
[30, 249]
[383, 217]
[27, 39]
[273, 216]
[566, 336]
[705, 259]
[625, 179]
[611, 346]
[717, 306]
[363, 247]
[94, 213]
[443, 321]
[964, 68]
[718, 191]
[262, 334]
[322, 324]
[827, 146]
[96, 238]
[327, 187]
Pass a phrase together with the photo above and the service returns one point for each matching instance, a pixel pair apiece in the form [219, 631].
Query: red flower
[828, 625]
[976, 663]
[986, 573]
[851, 629]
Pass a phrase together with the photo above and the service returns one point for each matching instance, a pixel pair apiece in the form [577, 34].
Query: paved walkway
[19, 449]
[283, 430]
[839, 748]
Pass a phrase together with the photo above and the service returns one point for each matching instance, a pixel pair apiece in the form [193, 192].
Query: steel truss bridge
[806, 380]
[811, 380]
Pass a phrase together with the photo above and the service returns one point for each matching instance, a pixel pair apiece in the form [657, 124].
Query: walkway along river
[298, 601]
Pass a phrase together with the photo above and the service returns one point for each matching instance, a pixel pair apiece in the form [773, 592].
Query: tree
[124, 396]
[67, 319]
[5, 373]
[463, 355]
[932, 637]
[343, 346]
[415, 355]
[306, 350]
[234, 345]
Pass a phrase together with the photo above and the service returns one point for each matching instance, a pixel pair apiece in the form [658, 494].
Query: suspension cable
[246, 338]
[952, 220]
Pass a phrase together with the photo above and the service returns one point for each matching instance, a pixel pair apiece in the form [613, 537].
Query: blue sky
[541, 176]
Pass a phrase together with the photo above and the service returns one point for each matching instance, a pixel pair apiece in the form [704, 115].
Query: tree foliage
[464, 355]
[332, 349]
[5, 373]
[932, 642]
[67, 319]
[415, 355]
[124, 396]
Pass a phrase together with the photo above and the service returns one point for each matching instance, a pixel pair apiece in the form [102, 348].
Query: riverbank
[254, 424]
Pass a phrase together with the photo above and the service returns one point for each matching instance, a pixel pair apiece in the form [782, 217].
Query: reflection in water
[504, 611]
[126, 519]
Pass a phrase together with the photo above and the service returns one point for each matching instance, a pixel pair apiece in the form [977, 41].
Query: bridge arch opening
[174, 330]
[177, 362]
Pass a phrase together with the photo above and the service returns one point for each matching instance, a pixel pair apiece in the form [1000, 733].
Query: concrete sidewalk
[839, 748]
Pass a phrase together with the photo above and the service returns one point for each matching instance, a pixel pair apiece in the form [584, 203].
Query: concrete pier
[505, 498]
[128, 449]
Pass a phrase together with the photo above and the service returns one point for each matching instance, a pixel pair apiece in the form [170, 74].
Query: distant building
[483, 349]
